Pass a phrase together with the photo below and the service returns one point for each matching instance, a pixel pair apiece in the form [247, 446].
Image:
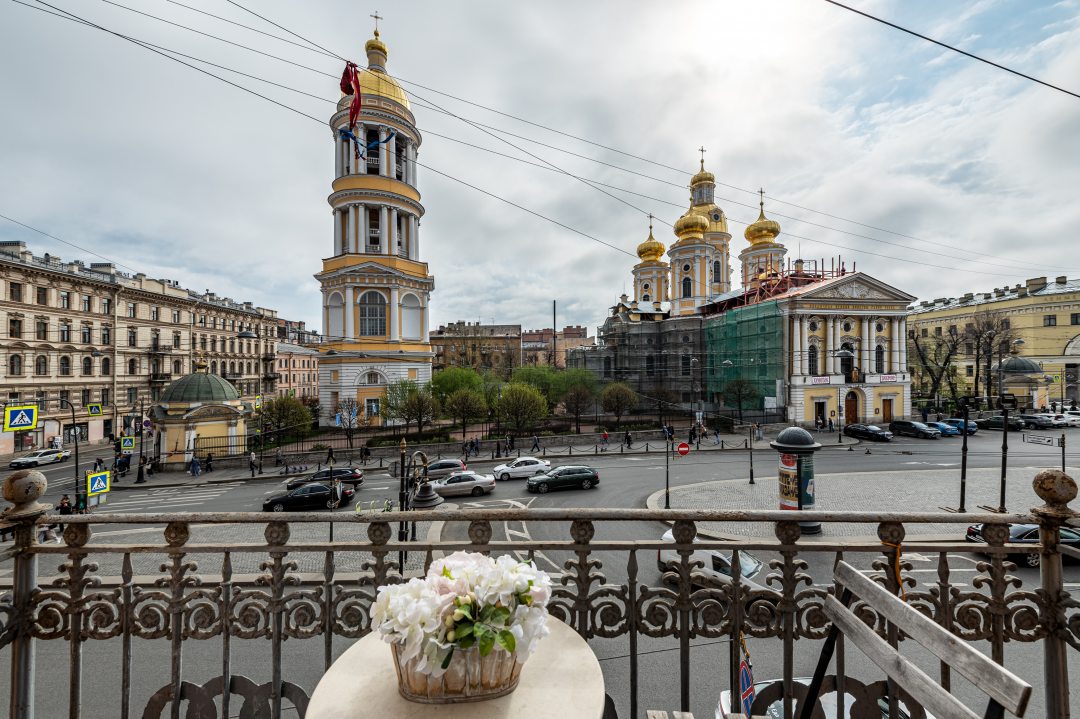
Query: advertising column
[795, 474]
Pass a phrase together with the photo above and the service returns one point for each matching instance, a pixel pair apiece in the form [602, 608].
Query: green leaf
[500, 616]
[486, 612]
[486, 642]
[466, 609]
[467, 642]
[463, 630]
[449, 656]
[506, 640]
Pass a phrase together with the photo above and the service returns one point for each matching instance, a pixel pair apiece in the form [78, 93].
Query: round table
[561, 679]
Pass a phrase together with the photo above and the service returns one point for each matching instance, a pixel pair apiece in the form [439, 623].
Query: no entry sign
[684, 448]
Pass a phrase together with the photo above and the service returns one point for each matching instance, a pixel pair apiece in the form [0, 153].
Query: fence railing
[265, 578]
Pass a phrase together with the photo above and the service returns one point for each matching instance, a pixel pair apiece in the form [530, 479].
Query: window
[645, 298]
[85, 397]
[650, 366]
[105, 397]
[969, 371]
[65, 300]
[879, 327]
[177, 367]
[132, 309]
[1006, 324]
[106, 367]
[687, 287]
[86, 304]
[969, 348]
[176, 316]
[1074, 318]
[879, 359]
[155, 312]
[607, 367]
[87, 366]
[133, 337]
[813, 326]
[106, 335]
[952, 330]
[133, 366]
[41, 365]
[847, 363]
[42, 295]
[202, 320]
[15, 368]
[176, 340]
[937, 331]
[41, 330]
[202, 342]
[372, 378]
[812, 360]
[924, 332]
[15, 329]
[132, 395]
[213, 367]
[87, 334]
[65, 396]
[371, 407]
[65, 366]
[15, 291]
[1049, 320]
[65, 332]
[716, 271]
[847, 328]
[106, 306]
[372, 314]
[685, 364]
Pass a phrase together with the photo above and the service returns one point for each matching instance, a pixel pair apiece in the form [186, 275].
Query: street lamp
[841, 354]
[696, 389]
[1014, 365]
[75, 431]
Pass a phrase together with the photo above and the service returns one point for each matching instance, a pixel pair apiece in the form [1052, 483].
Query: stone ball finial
[23, 489]
[1054, 487]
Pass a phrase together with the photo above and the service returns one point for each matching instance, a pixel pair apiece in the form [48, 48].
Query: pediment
[859, 287]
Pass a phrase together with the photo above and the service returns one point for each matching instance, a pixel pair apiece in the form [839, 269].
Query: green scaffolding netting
[746, 343]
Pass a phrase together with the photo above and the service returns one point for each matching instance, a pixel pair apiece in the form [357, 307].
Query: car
[564, 478]
[1071, 420]
[716, 566]
[521, 467]
[913, 429]
[346, 475]
[444, 468]
[996, 422]
[828, 704]
[946, 429]
[464, 483]
[1025, 534]
[868, 431]
[310, 496]
[1037, 421]
[39, 457]
[1058, 420]
[972, 425]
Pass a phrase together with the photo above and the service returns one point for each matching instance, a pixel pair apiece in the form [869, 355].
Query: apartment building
[297, 371]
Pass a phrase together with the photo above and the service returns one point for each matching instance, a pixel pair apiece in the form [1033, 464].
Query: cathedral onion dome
[374, 80]
[763, 230]
[702, 176]
[691, 225]
[651, 250]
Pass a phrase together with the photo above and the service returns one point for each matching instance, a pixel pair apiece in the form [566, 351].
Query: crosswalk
[167, 499]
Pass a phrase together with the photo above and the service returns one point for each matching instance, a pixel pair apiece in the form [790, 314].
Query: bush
[319, 447]
[390, 440]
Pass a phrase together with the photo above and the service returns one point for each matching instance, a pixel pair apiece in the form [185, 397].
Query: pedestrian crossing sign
[97, 483]
[127, 445]
[258, 401]
[94, 409]
[20, 418]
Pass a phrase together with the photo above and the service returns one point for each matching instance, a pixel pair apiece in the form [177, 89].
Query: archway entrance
[851, 408]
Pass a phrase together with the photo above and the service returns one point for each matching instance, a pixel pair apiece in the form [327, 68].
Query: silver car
[716, 570]
[444, 468]
[521, 467]
[464, 483]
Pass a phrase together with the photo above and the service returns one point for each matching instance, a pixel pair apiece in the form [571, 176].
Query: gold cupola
[702, 176]
[691, 225]
[651, 250]
[763, 229]
[374, 80]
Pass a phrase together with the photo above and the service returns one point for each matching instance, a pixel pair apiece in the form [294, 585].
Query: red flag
[350, 85]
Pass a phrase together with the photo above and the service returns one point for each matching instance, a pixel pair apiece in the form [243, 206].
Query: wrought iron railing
[236, 576]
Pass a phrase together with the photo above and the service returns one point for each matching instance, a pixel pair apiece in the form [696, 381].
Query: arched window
[372, 314]
[687, 287]
[716, 271]
[65, 366]
[87, 366]
[232, 368]
[846, 363]
[372, 378]
[685, 364]
[133, 366]
[411, 315]
[335, 316]
[879, 359]
[607, 366]
[812, 360]
[41, 365]
[248, 366]
[644, 298]
[213, 367]
[15, 364]
[650, 366]
[177, 367]
[106, 366]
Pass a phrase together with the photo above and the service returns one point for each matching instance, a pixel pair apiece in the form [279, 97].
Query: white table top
[562, 679]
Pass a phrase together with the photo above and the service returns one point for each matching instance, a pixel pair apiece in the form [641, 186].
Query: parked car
[828, 703]
[1071, 420]
[868, 431]
[444, 468]
[564, 478]
[946, 429]
[1038, 421]
[464, 483]
[39, 457]
[996, 422]
[972, 425]
[310, 496]
[716, 566]
[353, 476]
[1057, 420]
[1025, 534]
[913, 429]
[521, 467]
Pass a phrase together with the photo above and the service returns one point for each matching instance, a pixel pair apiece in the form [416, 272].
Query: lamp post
[696, 389]
[403, 502]
[1021, 366]
[841, 354]
[140, 473]
[75, 431]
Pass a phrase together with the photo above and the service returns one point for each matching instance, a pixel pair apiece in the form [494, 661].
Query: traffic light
[80, 501]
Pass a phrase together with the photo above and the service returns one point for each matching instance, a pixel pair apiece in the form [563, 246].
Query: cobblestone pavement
[899, 490]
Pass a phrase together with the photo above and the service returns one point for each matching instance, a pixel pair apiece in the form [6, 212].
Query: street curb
[150, 484]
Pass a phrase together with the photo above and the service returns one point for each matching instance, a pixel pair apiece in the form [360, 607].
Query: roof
[1058, 287]
[200, 387]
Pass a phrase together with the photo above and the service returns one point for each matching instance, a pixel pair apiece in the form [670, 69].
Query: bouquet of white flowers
[491, 612]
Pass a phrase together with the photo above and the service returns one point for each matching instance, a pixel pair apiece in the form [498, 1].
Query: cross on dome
[377, 17]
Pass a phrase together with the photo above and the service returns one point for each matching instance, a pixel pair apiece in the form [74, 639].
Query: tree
[565, 379]
[935, 355]
[576, 401]
[465, 404]
[741, 393]
[521, 406]
[450, 380]
[989, 332]
[284, 415]
[349, 417]
[542, 378]
[491, 389]
[408, 401]
[617, 398]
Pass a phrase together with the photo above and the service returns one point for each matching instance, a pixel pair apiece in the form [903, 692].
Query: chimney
[999, 292]
[1021, 292]
[9, 247]
[1036, 283]
[1062, 280]
[968, 297]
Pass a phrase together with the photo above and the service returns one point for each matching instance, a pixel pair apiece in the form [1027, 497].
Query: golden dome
[651, 250]
[691, 224]
[762, 230]
[702, 176]
[374, 80]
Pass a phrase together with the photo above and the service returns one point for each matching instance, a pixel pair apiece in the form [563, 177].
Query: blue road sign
[19, 418]
[127, 445]
[97, 483]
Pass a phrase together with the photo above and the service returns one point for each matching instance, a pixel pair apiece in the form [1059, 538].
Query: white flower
[410, 613]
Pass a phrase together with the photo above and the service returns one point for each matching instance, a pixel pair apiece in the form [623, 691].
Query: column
[415, 167]
[350, 237]
[384, 156]
[871, 352]
[796, 344]
[414, 237]
[804, 355]
[903, 345]
[361, 132]
[395, 233]
[410, 163]
[361, 227]
[830, 345]
[384, 241]
[894, 346]
[864, 347]
[349, 307]
[337, 232]
[338, 157]
[424, 321]
[391, 151]
[394, 336]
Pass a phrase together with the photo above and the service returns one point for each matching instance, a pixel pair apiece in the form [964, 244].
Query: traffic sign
[93, 409]
[147, 423]
[684, 448]
[97, 483]
[1007, 401]
[258, 401]
[20, 418]
[1038, 439]
[127, 445]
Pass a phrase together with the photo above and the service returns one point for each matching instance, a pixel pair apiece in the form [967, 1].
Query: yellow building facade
[198, 414]
[1044, 313]
[375, 287]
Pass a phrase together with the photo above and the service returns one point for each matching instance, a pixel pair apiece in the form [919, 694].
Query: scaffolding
[746, 343]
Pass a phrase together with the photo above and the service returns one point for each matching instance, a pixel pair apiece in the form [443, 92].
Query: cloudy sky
[935, 173]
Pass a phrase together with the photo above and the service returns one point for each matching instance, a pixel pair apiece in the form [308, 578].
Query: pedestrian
[277, 457]
[925, 414]
[604, 441]
[716, 436]
[141, 476]
[510, 442]
[627, 440]
[693, 434]
[209, 462]
[125, 464]
[64, 508]
[536, 444]
[251, 462]
[196, 468]
[830, 424]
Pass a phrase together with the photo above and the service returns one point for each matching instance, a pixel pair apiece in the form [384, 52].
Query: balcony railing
[160, 377]
[231, 577]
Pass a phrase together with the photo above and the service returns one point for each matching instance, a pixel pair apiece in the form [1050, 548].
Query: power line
[70, 244]
[954, 49]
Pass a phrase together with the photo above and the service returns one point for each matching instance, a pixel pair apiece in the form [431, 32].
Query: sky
[934, 173]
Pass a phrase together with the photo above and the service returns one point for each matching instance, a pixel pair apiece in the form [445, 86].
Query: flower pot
[469, 678]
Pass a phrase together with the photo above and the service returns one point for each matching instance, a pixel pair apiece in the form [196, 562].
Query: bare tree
[741, 392]
[990, 332]
[349, 418]
[935, 354]
[577, 400]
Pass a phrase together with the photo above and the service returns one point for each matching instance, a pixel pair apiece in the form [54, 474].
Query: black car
[996, 422]
[346, 475]
[1037, 421]
[564, 478]
[310, 496]
[1026, 534]
[913, 429]
[868, 431]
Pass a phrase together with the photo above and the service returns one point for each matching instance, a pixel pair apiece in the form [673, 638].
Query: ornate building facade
[375, 287]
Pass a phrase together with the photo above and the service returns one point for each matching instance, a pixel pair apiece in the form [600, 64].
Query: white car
[39, 457]
[464, 483]
[1058, 420]
[1071, 420]
[521, 467]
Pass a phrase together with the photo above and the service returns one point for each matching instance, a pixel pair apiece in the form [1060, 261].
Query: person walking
[536, 444]
[716, 437]
[277, 457]
[693, 434]
[64, 508]
[604, 441]
[196, 468]
[251, 463]
[140, 478]
[830, 424]
[627, 439]
[209, 462]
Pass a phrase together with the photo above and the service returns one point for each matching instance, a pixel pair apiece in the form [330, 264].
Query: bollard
[543, 451]
[746, 444]
[596, 449]
[320, 466]
[571, 448]
[721, 444]
[646, 447]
